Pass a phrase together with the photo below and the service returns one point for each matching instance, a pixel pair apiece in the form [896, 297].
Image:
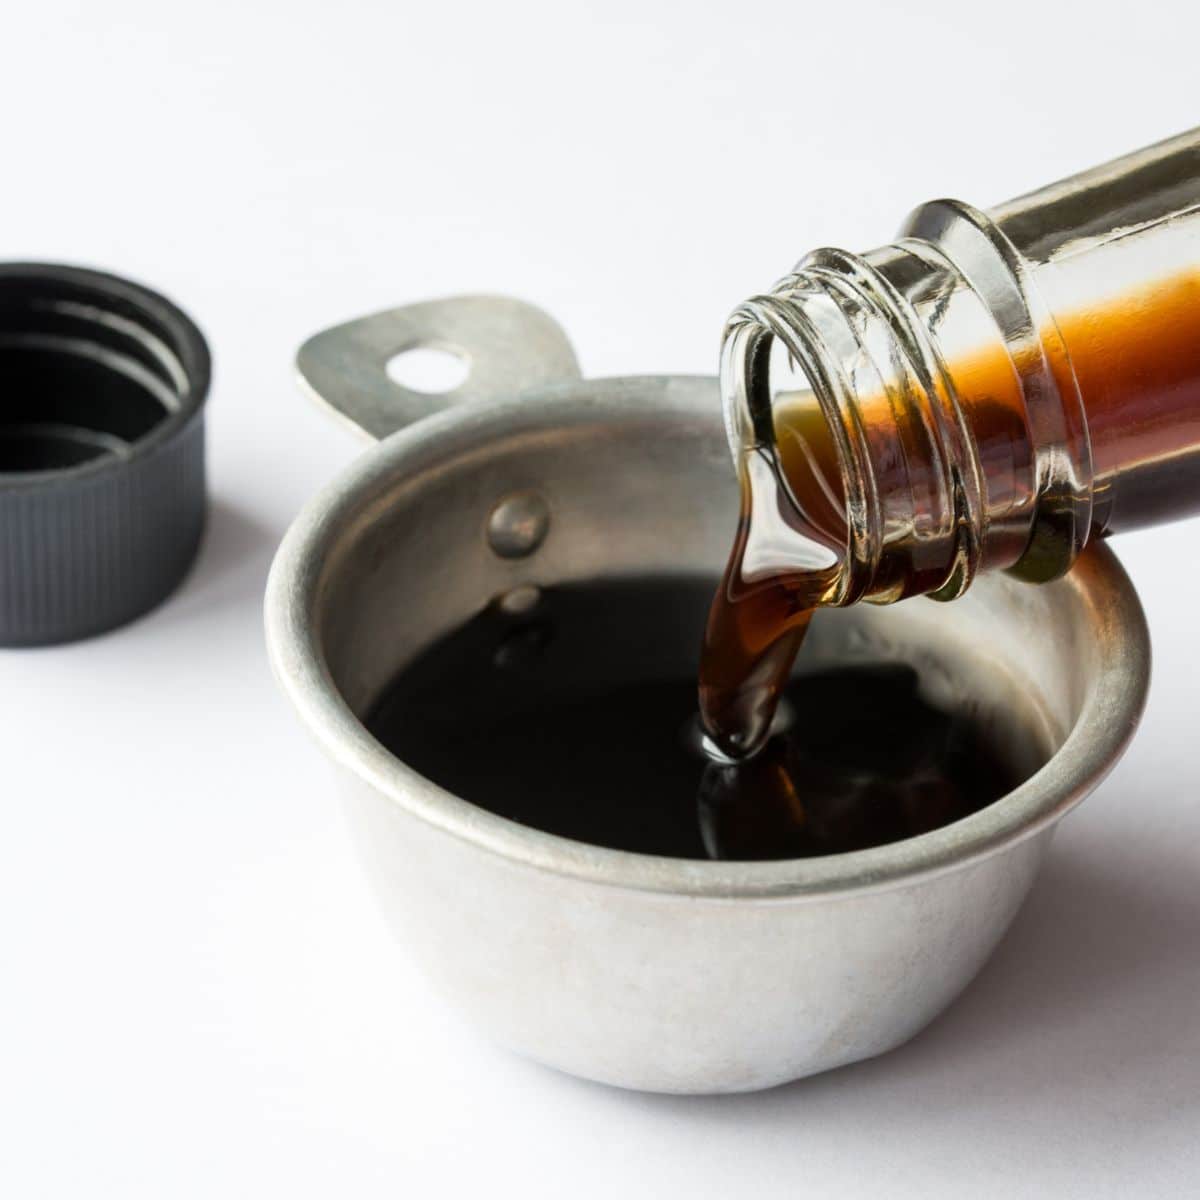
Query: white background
[197, 997]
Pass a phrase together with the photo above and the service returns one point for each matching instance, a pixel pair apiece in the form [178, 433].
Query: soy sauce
[578, 718]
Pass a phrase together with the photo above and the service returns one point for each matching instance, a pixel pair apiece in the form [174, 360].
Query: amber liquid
[1136, 362]
[578, 718]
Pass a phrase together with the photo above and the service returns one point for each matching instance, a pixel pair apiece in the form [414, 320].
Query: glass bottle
[989, 391]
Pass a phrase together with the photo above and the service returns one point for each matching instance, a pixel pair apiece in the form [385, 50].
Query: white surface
[198, 998]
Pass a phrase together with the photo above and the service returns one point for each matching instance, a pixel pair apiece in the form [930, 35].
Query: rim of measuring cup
[1107, 720]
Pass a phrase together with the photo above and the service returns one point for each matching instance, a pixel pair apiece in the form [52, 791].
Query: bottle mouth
[800, 482]
[830, 378]
[792, 474]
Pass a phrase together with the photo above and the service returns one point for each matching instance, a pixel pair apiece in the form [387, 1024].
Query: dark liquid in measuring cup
[579, 718]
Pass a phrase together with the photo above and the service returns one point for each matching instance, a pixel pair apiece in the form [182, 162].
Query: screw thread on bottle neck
[936, 483]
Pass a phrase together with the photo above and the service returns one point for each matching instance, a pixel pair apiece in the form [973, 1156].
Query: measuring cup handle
[509, 347]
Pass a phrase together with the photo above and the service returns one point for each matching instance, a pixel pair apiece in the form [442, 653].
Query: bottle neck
[915, 384]
[988, 391]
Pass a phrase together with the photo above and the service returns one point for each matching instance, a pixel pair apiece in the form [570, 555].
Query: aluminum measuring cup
[654, 973]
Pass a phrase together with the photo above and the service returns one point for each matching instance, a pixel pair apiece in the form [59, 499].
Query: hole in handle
[431, 370]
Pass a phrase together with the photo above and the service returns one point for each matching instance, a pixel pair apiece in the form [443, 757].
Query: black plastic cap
[102, 482]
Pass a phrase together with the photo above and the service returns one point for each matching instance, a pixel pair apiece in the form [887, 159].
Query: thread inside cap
[83, 375]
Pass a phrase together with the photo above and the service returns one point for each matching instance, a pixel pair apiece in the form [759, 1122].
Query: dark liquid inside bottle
[579, 718]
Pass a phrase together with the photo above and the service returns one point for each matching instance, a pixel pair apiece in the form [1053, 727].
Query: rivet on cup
[520, 600]
[518, 525]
